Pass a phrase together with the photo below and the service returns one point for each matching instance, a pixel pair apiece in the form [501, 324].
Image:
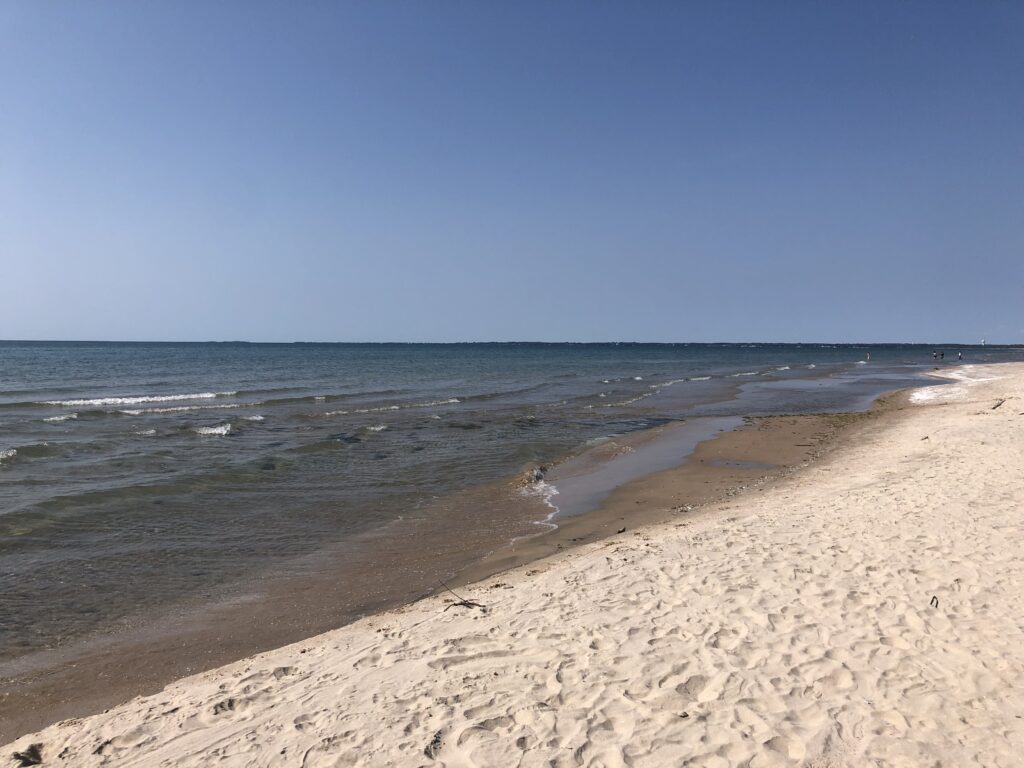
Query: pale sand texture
[791, 628]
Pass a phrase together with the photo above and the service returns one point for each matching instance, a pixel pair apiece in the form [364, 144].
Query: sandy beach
[865, 610]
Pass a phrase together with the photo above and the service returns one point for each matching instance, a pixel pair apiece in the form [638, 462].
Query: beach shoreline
[426, 675]
[856, 613]
[98, 675]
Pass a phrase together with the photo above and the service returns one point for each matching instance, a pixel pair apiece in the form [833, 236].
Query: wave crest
[63, 417]
[220, 429]
[136, 399]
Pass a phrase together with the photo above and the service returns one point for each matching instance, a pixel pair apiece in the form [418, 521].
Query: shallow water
[139, 475]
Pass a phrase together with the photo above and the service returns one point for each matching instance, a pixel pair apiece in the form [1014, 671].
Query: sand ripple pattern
[867, 611]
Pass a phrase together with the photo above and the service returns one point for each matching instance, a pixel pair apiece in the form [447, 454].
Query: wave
[744, 373]
[185, 408]
[145, 432]
[483, 396]
[31, 451]
[632, 400]
[136, 399]
[546, 491]
[385, 408]
[220, 429]
[699, 378]
[377, 428]
[782, 368]
[252, 418]
[58, 419]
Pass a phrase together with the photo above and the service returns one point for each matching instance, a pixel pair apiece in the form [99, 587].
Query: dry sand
[866, 611]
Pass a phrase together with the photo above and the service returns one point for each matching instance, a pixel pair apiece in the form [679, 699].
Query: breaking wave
[383, 408]
[184, 408]
[220, 429]
[64, 417]
[135, 400]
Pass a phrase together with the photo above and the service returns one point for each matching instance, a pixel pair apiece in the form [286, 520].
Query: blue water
[137, 475]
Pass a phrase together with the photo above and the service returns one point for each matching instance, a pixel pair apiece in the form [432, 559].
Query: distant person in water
[935, 355]
[869, 357]
[959, 355]
[942, 355]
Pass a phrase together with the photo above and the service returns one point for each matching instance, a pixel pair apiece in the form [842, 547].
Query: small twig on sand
[999, 403]
[462, 602]
[934, 602]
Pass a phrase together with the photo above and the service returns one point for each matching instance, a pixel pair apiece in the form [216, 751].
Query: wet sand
[410, 561]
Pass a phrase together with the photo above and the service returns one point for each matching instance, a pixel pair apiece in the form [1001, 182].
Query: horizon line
[982, 343]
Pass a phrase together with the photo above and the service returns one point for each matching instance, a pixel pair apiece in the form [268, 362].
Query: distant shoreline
[796, 344]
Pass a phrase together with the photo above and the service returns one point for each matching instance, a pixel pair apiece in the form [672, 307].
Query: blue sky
[448, 171]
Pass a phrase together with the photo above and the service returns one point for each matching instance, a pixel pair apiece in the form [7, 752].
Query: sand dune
[867, 611]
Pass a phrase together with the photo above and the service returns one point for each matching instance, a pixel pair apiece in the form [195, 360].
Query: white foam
[782, 368]
[638, 378]
[386, 408]
[927, 394]
[146, 432]
[377, 428]
[700, 378]
[184, 408]
[964, 377]
[252, 418]
[134, 400]
[546, 491]
[812, 365]
[319, 398]
[220, 429]
[745, 373]
[632, 400]
[64, 417]
[8, 453]
[862, 362]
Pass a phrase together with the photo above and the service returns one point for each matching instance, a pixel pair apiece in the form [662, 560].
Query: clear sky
[462, 171]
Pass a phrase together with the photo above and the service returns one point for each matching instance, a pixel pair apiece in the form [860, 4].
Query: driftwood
[999, 403]
[462, 602]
